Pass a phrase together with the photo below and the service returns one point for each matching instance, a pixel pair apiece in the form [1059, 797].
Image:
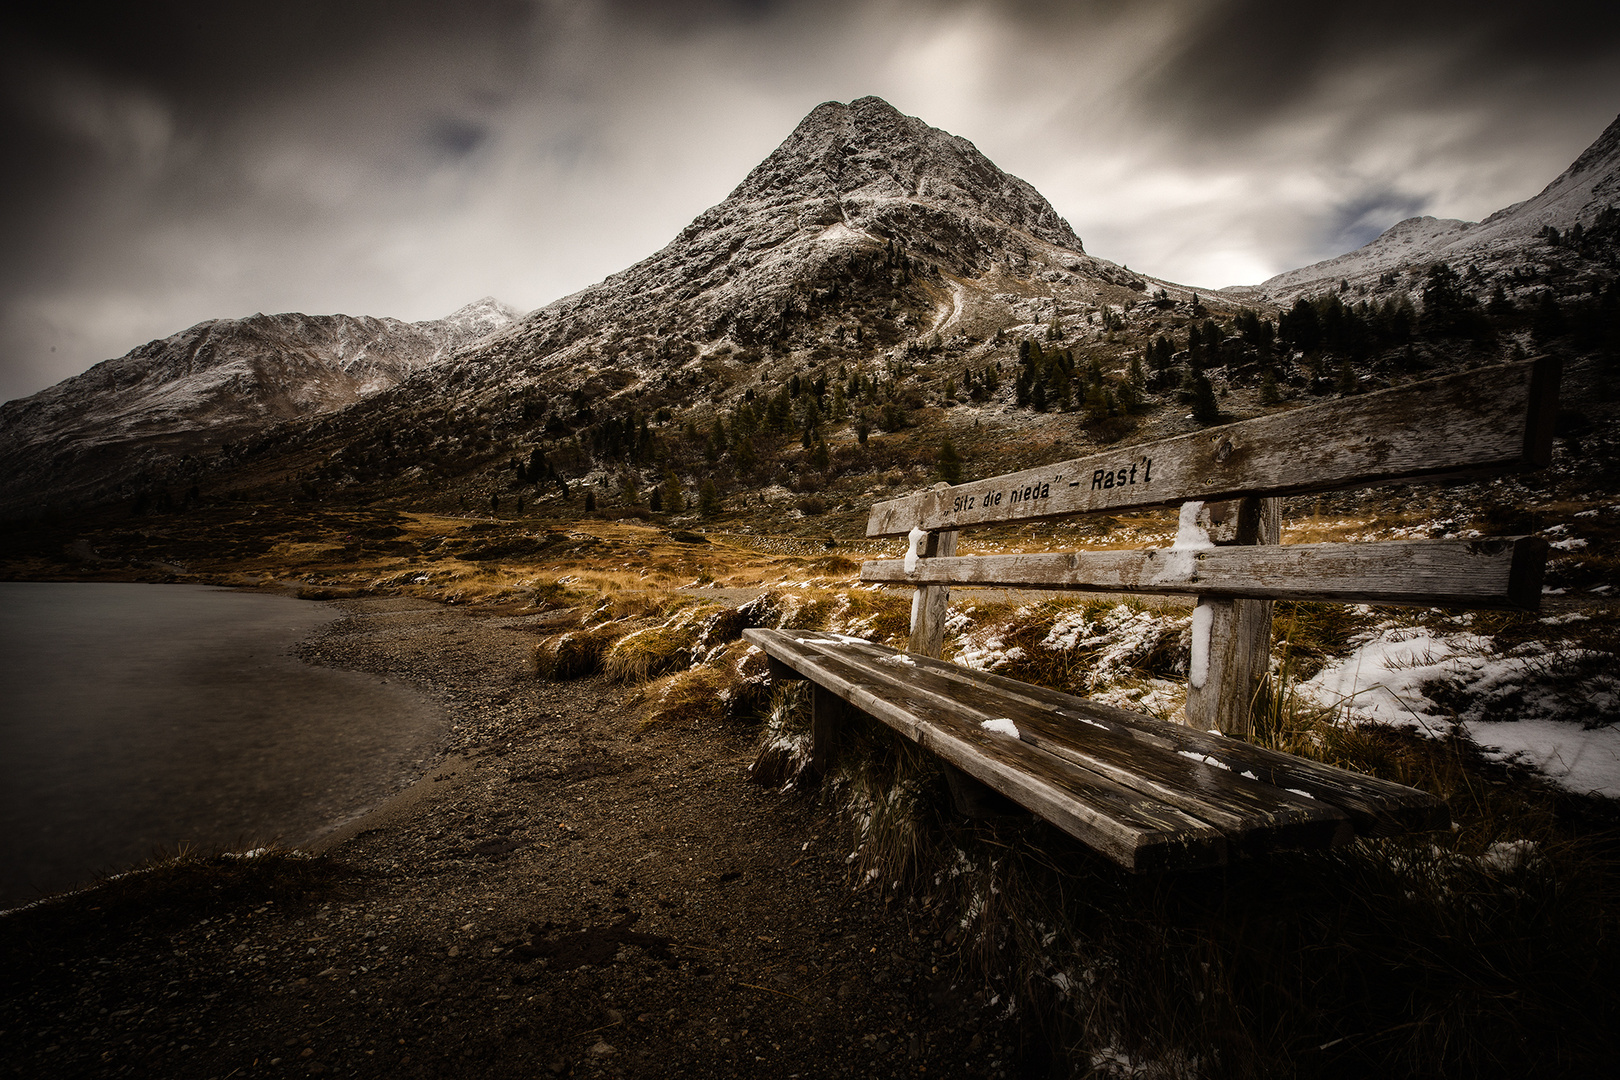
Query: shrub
[950, 463]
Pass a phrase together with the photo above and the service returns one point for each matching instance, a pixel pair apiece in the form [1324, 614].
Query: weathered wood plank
[931, 602]
[1253, 815]
[1237, 651]
[1493, 420]
[1500, 572]
[1135, 831]
[1376, 807]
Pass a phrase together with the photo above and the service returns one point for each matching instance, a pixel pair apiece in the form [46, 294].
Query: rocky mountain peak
[854, 158]
[474, 320]
[857, 192]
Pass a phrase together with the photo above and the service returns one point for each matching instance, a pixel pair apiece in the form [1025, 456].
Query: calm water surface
[138, 718]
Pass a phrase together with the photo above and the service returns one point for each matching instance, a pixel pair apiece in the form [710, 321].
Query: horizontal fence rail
[1503, 573]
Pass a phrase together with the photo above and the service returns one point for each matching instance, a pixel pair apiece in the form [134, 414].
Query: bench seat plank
[1135, 830]
[1254, 798]
[1500, 572]
[1493, 420]
[1253, 815]
[1376, 807]
[1091, 734]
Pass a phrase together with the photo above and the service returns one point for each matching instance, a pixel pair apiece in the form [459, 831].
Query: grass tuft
[575, 654]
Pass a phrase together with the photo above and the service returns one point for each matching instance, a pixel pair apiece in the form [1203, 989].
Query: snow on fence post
[1233, 636]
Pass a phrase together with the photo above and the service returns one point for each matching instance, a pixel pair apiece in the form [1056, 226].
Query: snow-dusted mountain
[219, 381]
[853, 186]
[868, 243]
[1579, 195]
[866, 229]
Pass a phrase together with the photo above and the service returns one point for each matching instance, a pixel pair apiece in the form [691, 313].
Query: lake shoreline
[159, 718]
[565, 890]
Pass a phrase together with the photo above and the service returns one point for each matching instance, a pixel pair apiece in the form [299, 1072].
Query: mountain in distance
[884, 264]
[220, 381]
[854, 190]
[1582, 193]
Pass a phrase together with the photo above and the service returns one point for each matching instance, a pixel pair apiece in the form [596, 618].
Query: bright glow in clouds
[187, 162]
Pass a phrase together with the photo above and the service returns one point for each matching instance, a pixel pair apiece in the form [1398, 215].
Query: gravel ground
[566, 893]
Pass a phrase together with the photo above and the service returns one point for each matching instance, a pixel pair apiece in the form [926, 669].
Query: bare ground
[567, 893]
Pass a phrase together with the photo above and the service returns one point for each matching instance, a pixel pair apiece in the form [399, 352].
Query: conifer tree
[819, 459]
[1269, 394]
[1346, 382]
[674, 499]
[950, 463]
[1205, 409]
[1548, 321]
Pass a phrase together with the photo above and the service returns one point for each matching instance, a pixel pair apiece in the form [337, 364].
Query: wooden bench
[1151, 794]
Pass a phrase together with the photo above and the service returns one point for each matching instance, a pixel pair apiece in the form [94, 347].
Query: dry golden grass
[694, 696]
[575, 654]
[655, 650]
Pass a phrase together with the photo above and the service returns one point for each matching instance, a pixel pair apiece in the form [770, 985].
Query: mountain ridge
[1580, 193]
[217, 381]
[867, 244]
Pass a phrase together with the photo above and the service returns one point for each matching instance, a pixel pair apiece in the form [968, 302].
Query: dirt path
[567, 894]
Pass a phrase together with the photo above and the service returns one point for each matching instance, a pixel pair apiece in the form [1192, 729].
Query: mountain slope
[864, 232]
[1581, 193]
[852, 182]
[219, 381]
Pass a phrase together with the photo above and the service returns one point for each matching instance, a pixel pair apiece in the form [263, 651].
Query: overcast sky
[169, 162]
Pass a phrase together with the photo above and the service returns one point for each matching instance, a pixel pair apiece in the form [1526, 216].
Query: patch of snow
[1118, 640]
[1191, 536]
[1204, 759]
[1002, 726]
[913, 538]
[1545, 707]
[1580, 759]
[844, 639]
[1510, 856]
[1198, 667]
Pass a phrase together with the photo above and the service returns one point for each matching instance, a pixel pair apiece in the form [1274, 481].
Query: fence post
[931, 601]
[1239, 647]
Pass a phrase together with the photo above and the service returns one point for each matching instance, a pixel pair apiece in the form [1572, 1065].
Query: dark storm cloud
[170, 162]
[1238, 63]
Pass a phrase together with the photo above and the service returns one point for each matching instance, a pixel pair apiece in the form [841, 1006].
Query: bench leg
[1239, 662]
[826, 713]
[972, 798]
